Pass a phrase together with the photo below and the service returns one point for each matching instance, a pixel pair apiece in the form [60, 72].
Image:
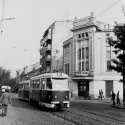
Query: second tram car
[50, 90]
[24, 90]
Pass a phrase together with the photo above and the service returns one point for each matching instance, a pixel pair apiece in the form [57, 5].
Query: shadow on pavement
[18, 103]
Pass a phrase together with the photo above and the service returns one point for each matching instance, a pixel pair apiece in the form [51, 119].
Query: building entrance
[83, 89]
[109, 88]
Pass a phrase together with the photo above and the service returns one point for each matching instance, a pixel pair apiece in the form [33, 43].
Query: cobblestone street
[86, 112]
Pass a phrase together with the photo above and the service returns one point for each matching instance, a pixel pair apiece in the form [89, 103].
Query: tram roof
[51, 75]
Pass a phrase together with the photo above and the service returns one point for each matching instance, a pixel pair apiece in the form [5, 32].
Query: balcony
[43, 51]
[48, 48]
[46, 39]
[48, 58]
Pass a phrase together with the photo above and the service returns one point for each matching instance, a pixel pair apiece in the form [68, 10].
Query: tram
[50, 90]
[24, 90]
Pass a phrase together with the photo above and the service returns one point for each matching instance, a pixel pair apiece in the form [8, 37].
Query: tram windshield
[60, 84]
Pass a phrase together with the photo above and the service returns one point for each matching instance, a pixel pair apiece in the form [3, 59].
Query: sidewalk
[103, 101]
[4, 120]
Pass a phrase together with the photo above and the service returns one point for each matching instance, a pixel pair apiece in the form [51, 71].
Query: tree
[13, 84]
[4, 76]
[119, 46]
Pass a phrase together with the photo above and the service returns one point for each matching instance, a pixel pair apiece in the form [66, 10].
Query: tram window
[24, 85]
[49, 83]
[27, 85]
[43, 83]
[60, 84]
[38, 84]
[35, 84]
[20, 86]
[31, 84]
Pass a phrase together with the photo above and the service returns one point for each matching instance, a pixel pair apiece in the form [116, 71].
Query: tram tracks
[87, 117]
[109, 115]
[101, 116]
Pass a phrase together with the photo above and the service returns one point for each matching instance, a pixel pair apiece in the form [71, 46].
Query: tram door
[43, 84]
[83, 88]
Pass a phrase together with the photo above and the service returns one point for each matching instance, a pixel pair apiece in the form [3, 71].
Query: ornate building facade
[90, 59]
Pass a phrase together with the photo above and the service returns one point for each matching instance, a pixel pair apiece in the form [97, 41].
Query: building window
[87, 65]
[108, 56]
[66, 50]
[86, 34]
[83, 35]
[79, 35]
[83, 66]
[87, 52]
[108, 65]
[82, 53]
[108, 52]
[79, 66]
[79, 54]
[67, 68]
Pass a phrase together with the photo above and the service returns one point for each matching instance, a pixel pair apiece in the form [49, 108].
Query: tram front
[59, 92]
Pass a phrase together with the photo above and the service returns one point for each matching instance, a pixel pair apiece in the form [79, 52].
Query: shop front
[82, 86]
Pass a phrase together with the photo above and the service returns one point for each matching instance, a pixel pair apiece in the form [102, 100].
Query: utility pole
[1, 22]
[123, 9]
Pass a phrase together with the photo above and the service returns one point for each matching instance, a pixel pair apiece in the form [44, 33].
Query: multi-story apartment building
[51, 52]
[87, 59]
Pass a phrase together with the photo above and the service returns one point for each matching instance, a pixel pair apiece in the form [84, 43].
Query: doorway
[83, 89]
[109, 88]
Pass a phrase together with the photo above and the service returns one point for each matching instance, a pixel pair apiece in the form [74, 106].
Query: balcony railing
[48, 37]
[48, 58]
[48, 47]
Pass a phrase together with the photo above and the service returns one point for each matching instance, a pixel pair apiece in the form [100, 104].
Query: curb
[118, 106]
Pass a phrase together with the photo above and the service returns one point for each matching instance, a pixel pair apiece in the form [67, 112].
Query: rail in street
[79, 113]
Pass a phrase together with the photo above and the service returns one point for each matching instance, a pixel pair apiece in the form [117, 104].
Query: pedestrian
[101, 94]
[5, 100]
[118, 99]
[113, 97]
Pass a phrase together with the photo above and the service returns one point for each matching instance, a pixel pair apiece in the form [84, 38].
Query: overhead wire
[116, 2]
[106, 9]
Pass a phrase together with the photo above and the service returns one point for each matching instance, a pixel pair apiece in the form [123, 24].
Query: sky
[20, 39]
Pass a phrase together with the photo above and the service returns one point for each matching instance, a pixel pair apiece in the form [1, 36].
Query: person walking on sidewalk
[113, 97]
[5, 100]
[118, 99]
[101, 94]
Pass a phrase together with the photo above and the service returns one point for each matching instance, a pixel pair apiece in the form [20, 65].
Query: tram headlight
[55, 97]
